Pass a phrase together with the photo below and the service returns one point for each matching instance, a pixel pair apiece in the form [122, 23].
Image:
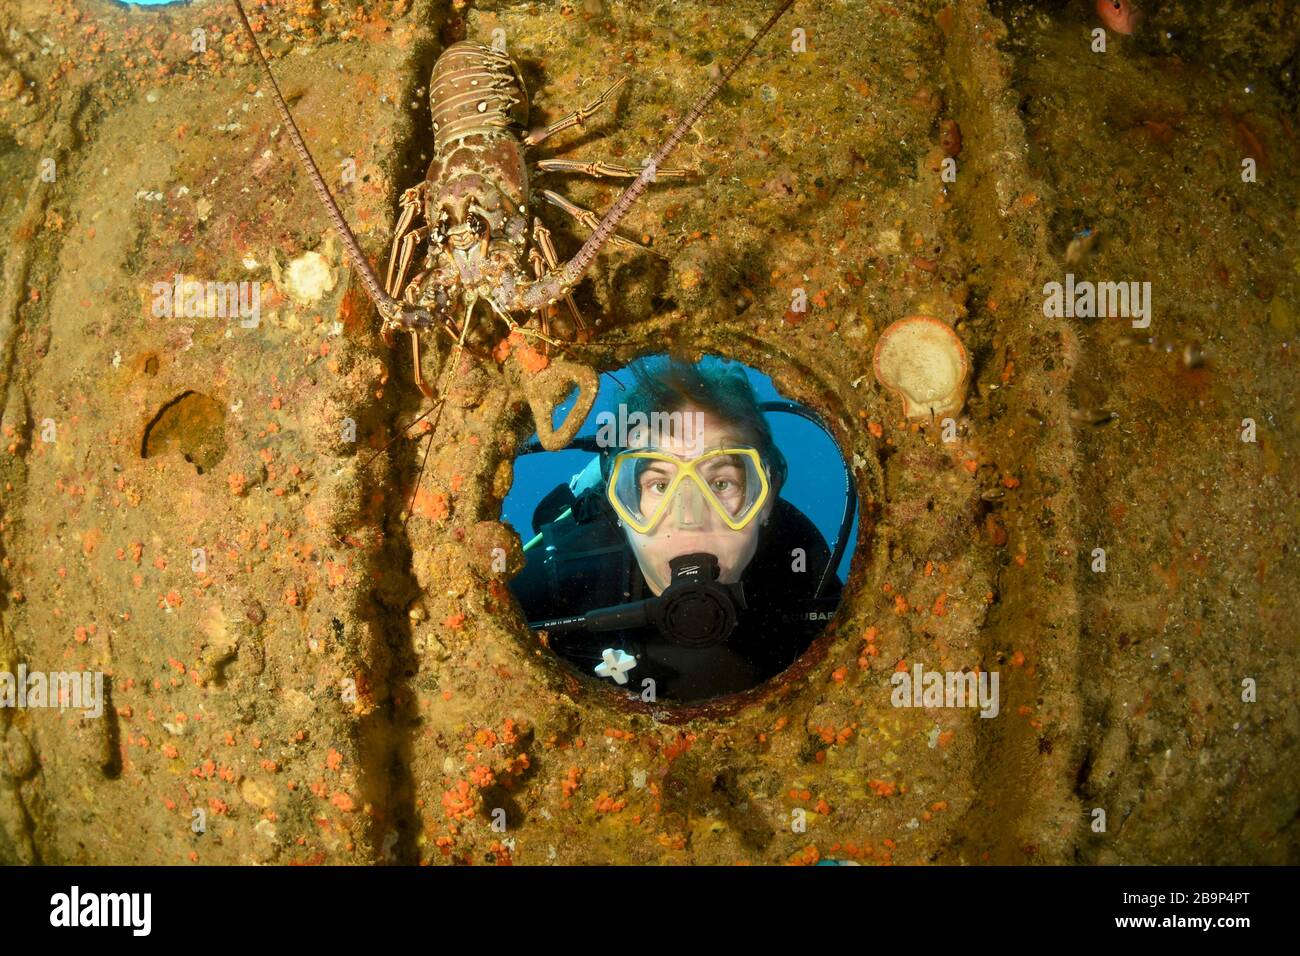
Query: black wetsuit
[582, 566]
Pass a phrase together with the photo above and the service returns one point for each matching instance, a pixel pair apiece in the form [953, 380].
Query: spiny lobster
[474, 203]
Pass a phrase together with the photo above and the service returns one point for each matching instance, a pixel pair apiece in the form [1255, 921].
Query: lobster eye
[477, 224]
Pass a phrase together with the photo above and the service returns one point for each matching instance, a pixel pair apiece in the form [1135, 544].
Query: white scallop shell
[922, 361]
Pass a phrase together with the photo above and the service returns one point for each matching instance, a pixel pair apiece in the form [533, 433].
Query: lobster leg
[539, 270]
[411, 297]
[542, 236]
[591, 220]
[412, 291]
[555, 283]
[410, 204]
[578, 117]
[601, 168]
[514, 326]
[456, 352]
[403, 249]
[420, 383]
[413, 239]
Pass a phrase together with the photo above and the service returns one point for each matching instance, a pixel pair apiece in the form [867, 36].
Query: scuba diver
[672, 557]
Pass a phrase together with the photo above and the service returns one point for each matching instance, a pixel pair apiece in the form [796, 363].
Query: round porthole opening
[692, 541]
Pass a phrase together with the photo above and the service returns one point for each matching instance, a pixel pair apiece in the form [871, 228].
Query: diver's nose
[689, 506]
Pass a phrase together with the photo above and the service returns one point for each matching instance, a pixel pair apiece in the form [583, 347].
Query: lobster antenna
[419, 479]
[546, 290]
[385, 303]
[401, 433]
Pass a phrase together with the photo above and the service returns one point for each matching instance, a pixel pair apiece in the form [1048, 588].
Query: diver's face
[690, 524]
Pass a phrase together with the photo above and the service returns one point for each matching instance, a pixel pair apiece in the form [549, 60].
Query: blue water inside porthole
[814, 485]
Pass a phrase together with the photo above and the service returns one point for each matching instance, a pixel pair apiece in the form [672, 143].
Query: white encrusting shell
[923, 362]
[308, 278]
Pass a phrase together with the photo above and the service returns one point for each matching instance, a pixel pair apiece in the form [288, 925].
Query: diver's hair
[672, 384]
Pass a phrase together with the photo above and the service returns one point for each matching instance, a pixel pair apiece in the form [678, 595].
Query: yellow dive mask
[645, 485]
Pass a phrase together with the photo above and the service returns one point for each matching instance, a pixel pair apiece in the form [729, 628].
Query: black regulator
[693, 611]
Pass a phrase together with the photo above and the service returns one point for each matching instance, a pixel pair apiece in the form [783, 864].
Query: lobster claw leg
[415, 357]
[548, 388]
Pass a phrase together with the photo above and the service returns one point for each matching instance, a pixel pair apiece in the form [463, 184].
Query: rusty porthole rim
[562, 679]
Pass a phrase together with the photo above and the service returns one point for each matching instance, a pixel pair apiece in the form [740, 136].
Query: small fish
[1118, 15]
[950, 138]
[1093, 416]
[1193, 355]
[1080, 246]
